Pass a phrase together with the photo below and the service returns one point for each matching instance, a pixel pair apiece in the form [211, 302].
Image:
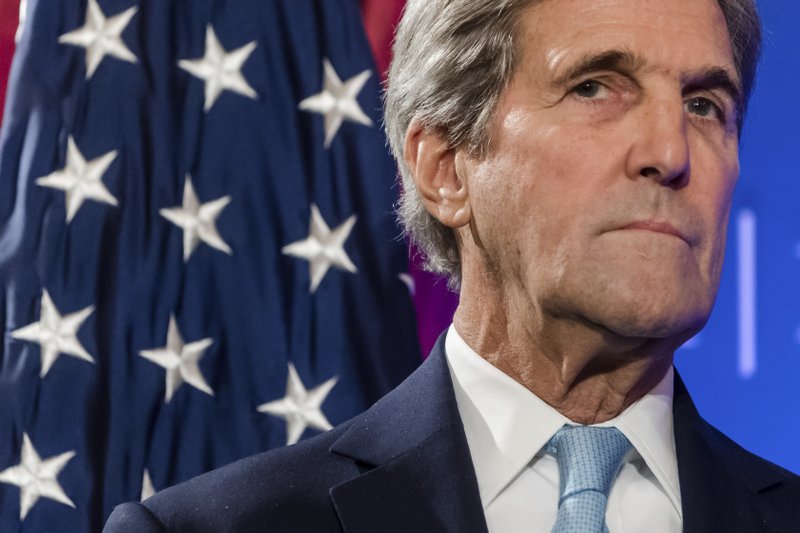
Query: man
[569, 165]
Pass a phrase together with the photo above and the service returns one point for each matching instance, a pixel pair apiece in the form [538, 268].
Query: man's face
[614, 152]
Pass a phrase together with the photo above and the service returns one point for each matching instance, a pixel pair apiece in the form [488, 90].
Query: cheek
[714, 205]
[720, 227]
[539, 185]
[575, 183]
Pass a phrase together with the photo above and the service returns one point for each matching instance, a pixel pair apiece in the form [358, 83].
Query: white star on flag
[55, 334]
[81, 179]
[323, 247]
[23, 14]
[221, 70]
[37, 478]
[101, 36]
[337, 101]
[147, 486]
[198, 221]
[180, 361]
[300, 408]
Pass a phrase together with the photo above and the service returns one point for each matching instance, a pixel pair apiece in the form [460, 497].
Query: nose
[660, 150]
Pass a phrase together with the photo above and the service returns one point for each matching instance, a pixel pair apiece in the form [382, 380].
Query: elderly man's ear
[438, 171]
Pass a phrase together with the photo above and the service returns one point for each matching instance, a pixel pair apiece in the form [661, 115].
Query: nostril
[650, 172]
[673, 180]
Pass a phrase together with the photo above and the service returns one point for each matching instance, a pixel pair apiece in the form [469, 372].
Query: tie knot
[588, 458]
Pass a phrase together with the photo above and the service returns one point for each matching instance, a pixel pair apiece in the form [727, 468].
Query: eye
[704, 107]
[590, 89]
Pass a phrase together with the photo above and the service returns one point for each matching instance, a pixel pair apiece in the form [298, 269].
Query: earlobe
[432, 163]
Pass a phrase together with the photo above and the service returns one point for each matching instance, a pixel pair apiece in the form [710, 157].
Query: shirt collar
[507, 425]
[647, 423]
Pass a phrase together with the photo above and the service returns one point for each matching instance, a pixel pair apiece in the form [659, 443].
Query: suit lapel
[417, 470]
[718, 485]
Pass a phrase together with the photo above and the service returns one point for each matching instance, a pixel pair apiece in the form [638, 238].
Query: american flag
[198, 255]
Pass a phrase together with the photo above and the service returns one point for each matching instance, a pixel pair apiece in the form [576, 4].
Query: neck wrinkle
[582, 370]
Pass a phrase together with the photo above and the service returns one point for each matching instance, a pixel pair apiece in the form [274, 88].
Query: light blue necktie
[588, 461]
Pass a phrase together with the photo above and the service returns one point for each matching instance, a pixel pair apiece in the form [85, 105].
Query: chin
[654, 325]
[647, 308]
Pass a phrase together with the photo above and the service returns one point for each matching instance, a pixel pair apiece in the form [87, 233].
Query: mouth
[656, 227]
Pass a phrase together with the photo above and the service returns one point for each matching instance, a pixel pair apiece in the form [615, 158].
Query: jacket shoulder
[775, 491]
[758, 472]
[286, 489]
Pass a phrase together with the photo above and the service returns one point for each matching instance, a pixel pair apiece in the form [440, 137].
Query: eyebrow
[627, 62]
[619, 60]
[716, 78]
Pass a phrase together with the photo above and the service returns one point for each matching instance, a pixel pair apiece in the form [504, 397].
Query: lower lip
[664, 231]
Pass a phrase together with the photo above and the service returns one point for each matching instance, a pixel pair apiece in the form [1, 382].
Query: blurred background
[199, 261]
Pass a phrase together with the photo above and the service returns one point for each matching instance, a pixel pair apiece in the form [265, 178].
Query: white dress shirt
[507, 426]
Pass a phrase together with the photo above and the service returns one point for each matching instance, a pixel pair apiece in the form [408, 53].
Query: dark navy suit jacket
[404, 466]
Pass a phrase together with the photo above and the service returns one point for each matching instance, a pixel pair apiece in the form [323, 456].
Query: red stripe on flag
[380, 19]
[9, 13]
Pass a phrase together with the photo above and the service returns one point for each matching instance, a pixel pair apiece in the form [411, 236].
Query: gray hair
[452, 61]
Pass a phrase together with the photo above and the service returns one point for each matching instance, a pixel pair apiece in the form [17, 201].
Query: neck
[586, 372]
